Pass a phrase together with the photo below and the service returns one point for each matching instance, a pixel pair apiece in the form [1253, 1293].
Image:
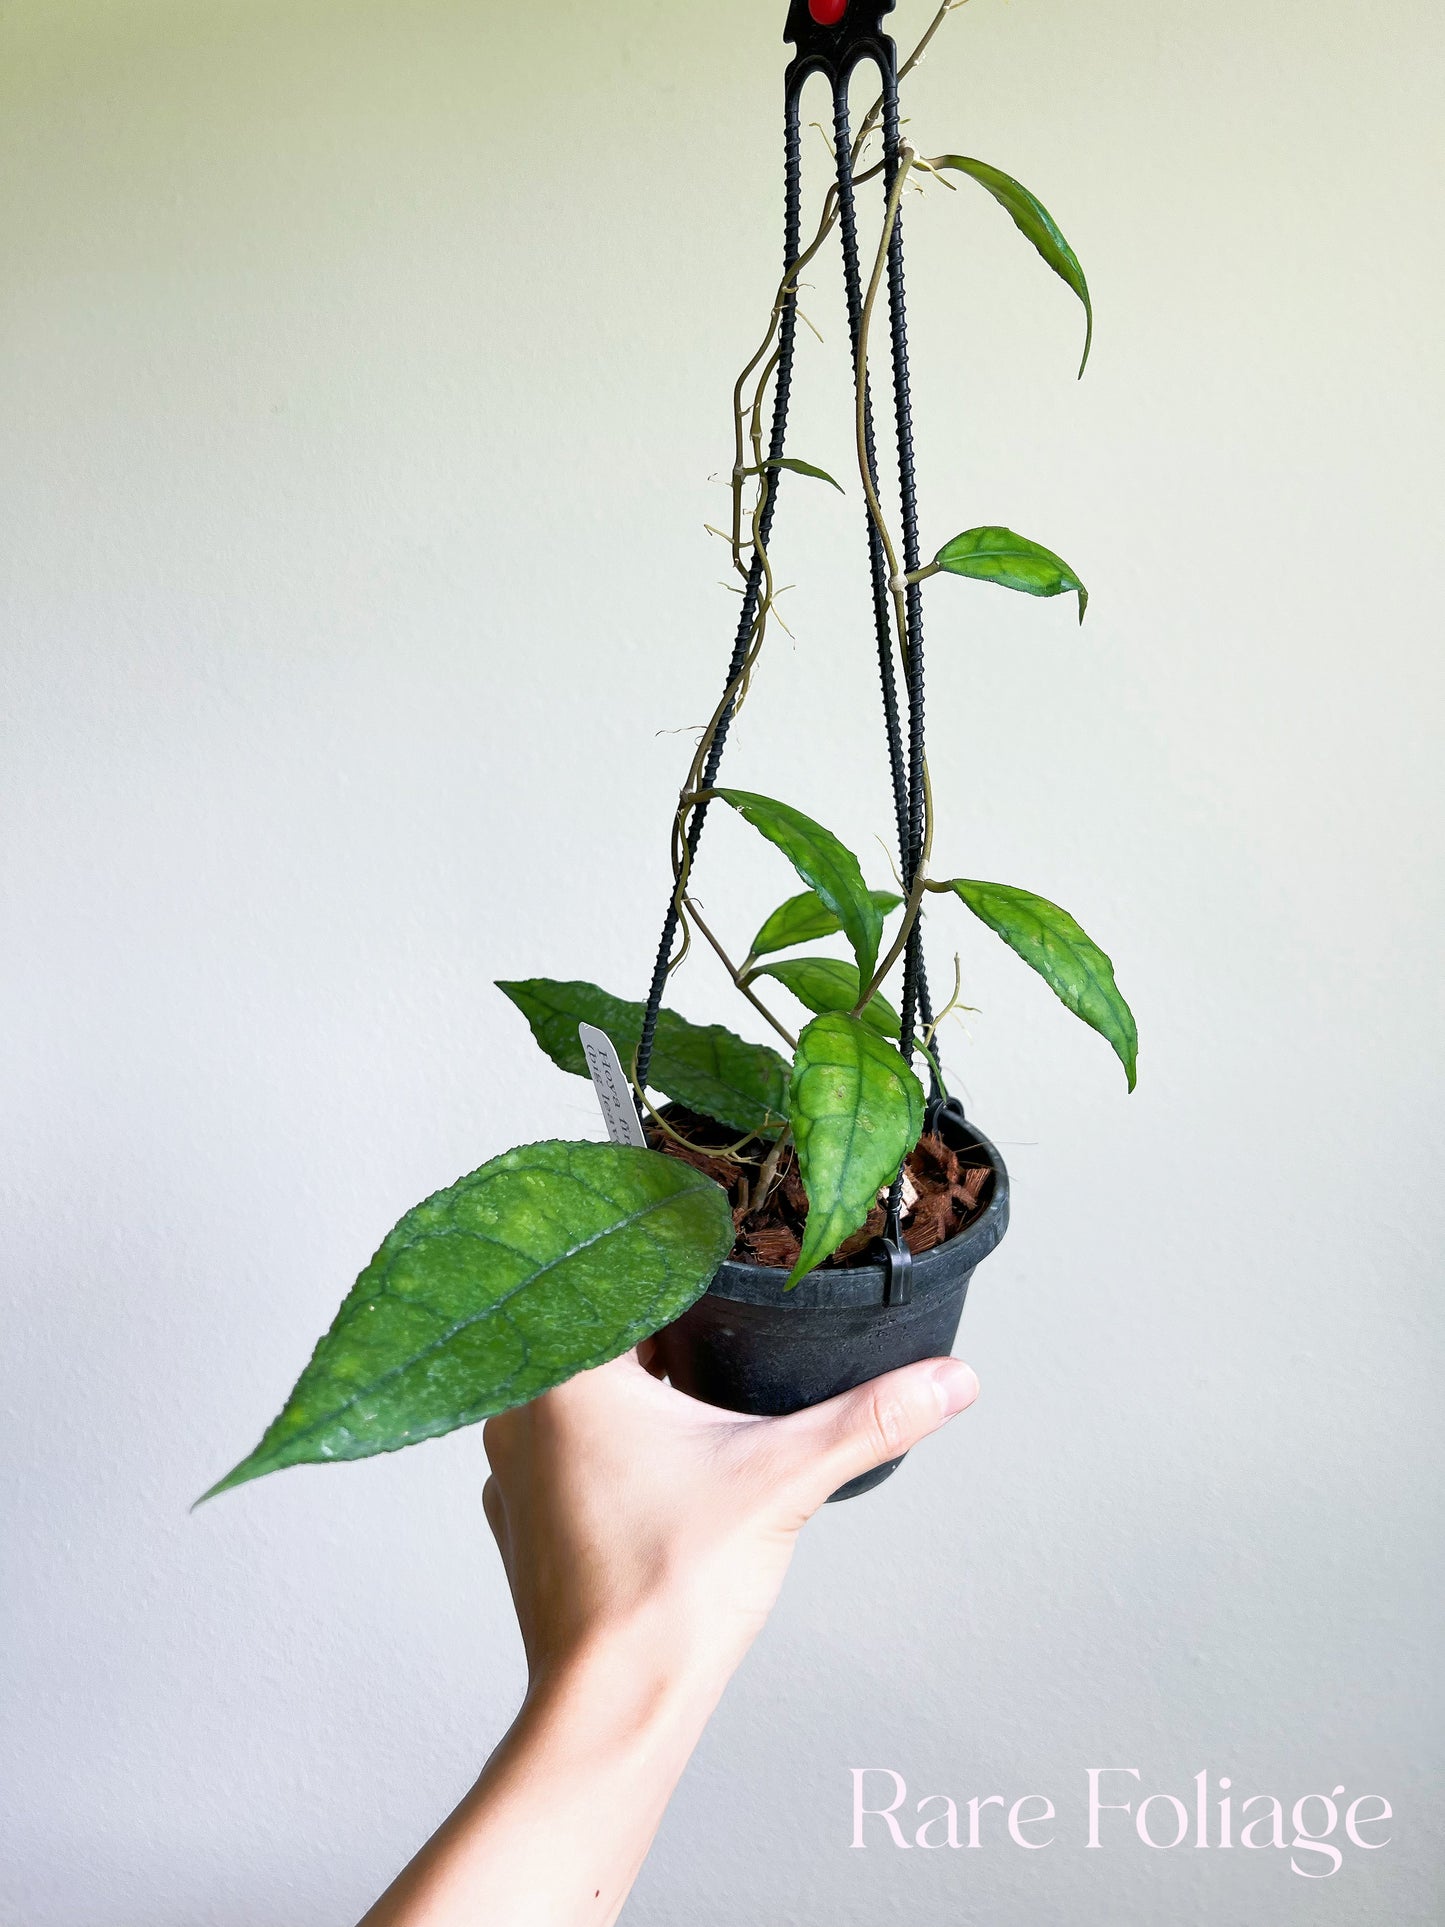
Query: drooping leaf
[857, 1111]
[796, 467]
[549, 1260]
[1068, 960]
[823, 863]
[703, 1066]
[998, 555]
[806, 919]
[829, 983]
[1036, 224]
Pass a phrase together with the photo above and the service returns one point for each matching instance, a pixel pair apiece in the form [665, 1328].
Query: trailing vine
[748, 422]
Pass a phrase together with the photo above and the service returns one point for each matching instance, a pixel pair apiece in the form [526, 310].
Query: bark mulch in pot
[944, 1192]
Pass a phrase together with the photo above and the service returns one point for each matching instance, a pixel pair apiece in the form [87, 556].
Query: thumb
[858, 1430]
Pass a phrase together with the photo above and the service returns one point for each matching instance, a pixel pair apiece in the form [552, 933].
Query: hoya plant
[555, 1257]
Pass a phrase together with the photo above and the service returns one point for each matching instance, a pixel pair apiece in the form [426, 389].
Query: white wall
[365, 368]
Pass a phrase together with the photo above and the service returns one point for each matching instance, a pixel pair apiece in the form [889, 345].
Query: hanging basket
[556, 1257]
[750, 1344]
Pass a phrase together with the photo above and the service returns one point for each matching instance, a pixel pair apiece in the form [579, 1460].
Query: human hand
[628, 1514]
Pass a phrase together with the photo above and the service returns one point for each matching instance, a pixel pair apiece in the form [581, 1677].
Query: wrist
[629, 1682]
[632, 1670]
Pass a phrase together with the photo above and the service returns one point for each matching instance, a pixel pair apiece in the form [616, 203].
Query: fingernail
[957, 1386]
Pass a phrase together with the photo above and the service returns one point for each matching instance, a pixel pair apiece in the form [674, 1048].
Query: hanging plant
[787, 1222]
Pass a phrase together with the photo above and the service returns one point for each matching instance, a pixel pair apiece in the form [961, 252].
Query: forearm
[557, 1827]
[645, 1536]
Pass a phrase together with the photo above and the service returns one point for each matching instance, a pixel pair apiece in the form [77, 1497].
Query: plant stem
[788, 285]
[747, 427]
[731, 968]
[900, 942]
[914, 903]
[948, 7]
[767, 1177]
[933, 1064]
[930, 1031]
[897, 584]
[729, 1153]
[860, 386]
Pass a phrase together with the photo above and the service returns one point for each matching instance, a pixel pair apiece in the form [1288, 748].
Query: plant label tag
[614, 1093]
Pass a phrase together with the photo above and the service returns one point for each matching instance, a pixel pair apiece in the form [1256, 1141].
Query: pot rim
[849, 1287]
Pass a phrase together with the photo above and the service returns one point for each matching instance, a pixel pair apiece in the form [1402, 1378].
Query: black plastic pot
[749, 1346]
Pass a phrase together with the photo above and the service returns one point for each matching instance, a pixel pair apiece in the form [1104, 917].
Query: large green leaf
[823, 863]
[828, 983]
[549, 1260]
[1068, 960]
[857, 1111]
[1036, 224]
[705, 1067]
[806, 919]
[998, 555]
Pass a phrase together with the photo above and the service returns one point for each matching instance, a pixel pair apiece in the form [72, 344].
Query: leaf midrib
[496, 1306]
[1106, 985]
[852, 1132]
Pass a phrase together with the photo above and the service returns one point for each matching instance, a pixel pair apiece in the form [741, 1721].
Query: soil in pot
[944, 1190]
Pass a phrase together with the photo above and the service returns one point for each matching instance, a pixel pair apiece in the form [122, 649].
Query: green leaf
[857, 1111]
[823, 863]
[828, 983]
[705, 1067]
[1068, 960]
[1036, 224]
[805, 919]
[792, 463]
[998, 555]
[549, 1260]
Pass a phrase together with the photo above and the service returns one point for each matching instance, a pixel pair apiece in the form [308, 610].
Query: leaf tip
[238, 1475]
[1126, 1049]
[1083, 603]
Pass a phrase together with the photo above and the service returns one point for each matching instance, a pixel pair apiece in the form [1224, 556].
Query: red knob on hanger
[827, 13]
